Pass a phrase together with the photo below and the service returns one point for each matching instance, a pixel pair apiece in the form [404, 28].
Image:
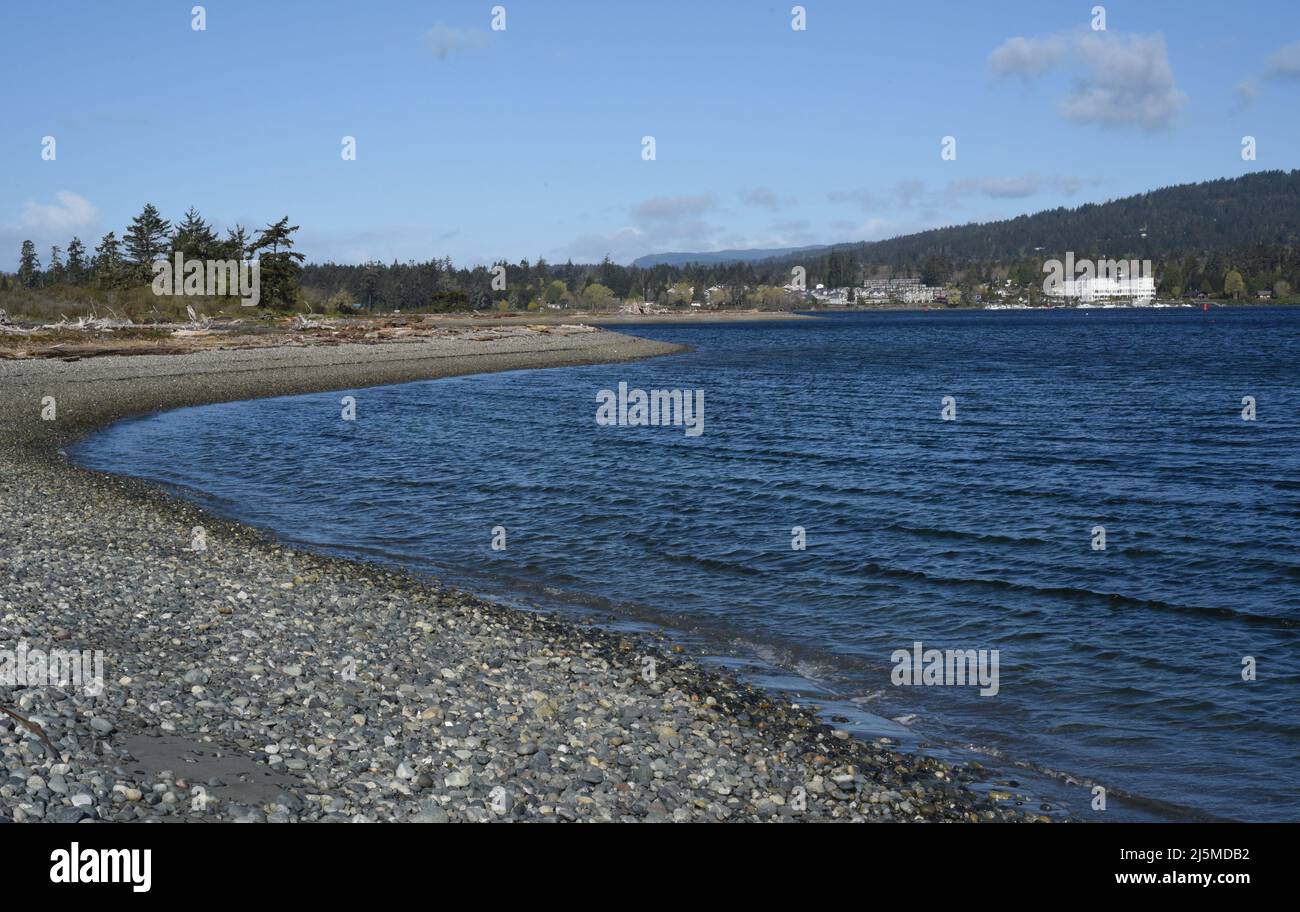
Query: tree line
[1228, 238]
[127, 262]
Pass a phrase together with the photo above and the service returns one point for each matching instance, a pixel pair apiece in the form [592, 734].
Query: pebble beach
[250, 681]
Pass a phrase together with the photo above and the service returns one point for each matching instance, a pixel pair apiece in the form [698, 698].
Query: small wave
[1075, 594]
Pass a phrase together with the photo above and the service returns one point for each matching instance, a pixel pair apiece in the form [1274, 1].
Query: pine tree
[108, 261]
[54, 275]
[1171, 279]
[29, 266]
[146, 240]
[236, 243]
[280, 269]
[77, 264]
[194, 238]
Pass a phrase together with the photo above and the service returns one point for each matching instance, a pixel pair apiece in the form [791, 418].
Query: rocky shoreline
[249, 681]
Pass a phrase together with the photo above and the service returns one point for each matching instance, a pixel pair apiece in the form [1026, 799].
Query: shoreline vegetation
[249, 680]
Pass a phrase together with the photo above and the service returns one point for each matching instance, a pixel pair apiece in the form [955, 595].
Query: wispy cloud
[68, 212]
[904, 194]
[655, 224]
[1246, 92]
[621, 245]
[1122, 79]
[909, 192]
[691, 222]
[762, 197]
[864, 199]
[663, 209]
[1028, 58]
[48, 223]
[446, 40]
[1019, 187]
[913, 194]
[386, 243]
[1285, 64]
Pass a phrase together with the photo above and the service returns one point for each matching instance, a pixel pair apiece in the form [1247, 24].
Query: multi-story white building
[1139, 289]
[919, 294]
[909, 291]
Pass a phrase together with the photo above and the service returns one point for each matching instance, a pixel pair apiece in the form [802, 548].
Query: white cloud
[913, 194]
[904, 194]
[908, 192]
[1006, 187]
[681, 223]
[621, 245]
[1285, 64]
[46, 224]
[68, 212]
[673, 208]
[1121, 79]
[762, 196]
[1017, 187]
[446, 40]
[657, 224]
[864, 199]
[1028, 58]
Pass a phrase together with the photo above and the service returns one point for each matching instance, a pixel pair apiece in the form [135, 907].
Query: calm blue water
[1121, 666]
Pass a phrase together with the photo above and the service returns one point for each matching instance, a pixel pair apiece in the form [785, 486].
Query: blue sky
[480, 144]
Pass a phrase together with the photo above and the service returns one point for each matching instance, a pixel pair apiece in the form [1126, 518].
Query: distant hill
[724, 256]
[1218, 215]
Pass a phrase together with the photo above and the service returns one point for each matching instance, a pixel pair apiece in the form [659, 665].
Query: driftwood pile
[82, 324]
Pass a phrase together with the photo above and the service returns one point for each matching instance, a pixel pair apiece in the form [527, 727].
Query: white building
[918, 294]
[1139, 290]
[907, 290]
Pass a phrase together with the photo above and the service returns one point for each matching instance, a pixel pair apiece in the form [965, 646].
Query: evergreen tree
[935, 269]
[194, 238]
[370, 293]
[77, 264]
[236, 243]
[54, 274]
[108, 261]
[1171, 279]
[29, 266]
[146, 240]
[280, 268]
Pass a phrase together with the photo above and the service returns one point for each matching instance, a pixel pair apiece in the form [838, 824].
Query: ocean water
[1120, 667]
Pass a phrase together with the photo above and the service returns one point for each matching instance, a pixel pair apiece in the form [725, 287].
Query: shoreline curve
[253, 681]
